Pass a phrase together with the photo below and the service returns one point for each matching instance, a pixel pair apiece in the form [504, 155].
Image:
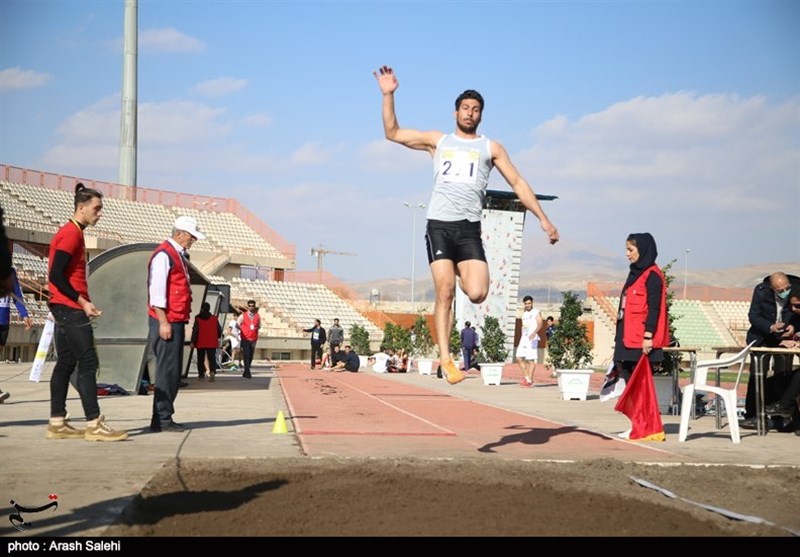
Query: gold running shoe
[59, 428]
[99, 430]
[452, 373]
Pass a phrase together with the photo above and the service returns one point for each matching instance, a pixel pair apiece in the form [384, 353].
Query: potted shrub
[359, 339]
[493, 351]
[569, 350]
[422, 345]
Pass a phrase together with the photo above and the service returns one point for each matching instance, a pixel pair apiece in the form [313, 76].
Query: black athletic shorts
[457, 241]
[3, 334]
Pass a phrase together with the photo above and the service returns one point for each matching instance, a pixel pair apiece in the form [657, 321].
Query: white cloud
[16, 78]
[686, 167]
[260, 120]
[168, 40]
[312, 153]
[384, 156]
[220, 86]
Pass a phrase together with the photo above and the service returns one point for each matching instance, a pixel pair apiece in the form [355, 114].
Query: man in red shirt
[249, 325]
[73, 312]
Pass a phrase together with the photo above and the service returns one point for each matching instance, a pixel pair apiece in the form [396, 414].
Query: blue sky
[677, 118]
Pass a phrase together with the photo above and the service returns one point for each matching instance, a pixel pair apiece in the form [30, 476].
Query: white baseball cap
[188, 224]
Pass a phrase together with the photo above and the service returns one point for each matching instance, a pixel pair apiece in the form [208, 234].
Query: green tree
[422, 346]
[396, 338]
[493, 341]
[569, 347]
[359, 339]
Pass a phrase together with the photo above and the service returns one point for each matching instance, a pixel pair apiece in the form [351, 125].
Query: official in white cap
[169, 304]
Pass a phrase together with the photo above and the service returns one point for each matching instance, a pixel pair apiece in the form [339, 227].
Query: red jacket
[179, 291]
[636, 313]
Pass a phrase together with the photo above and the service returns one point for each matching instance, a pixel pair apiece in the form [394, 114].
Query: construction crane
[320, 252]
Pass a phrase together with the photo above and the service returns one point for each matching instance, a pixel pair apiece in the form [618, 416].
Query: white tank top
[461, 170]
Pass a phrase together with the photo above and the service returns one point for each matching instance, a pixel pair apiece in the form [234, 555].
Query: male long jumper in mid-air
[462, 162]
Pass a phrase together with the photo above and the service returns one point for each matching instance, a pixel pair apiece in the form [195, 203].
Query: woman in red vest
[205, 338]
[642, 325]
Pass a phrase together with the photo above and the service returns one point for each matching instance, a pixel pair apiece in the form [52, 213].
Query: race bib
[459, 165]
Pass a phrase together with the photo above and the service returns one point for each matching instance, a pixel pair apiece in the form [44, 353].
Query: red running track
[367, 415]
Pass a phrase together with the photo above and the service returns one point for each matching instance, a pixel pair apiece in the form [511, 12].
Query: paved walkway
[326, 414]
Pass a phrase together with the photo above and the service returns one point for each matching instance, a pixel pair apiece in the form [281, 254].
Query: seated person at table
[350, 361]
[786, 405]
[769, 317]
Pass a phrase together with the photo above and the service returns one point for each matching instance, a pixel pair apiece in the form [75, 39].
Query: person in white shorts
[528, 349]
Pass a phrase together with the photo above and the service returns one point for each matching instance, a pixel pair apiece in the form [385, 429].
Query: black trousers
[201, 361]
[248, 350]
[74, 342]
[169, 366]
[316, 353]
[774, 386]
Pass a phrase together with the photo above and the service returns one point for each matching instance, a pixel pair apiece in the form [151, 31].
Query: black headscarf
[647, 255]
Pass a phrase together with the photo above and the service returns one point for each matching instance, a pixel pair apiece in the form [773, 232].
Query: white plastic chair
[727, 395]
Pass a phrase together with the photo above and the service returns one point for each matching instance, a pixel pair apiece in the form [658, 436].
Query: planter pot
[667, 402]
[492, 373]
[573, 384]
[425, 366]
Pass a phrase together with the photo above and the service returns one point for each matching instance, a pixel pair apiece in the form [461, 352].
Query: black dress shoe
[778, 409]
[174, 427]
[749, 423]
[247, 376]
[183, 384]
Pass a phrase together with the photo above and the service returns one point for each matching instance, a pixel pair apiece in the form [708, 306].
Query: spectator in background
[550, 328]
[205, 338]
[476, 360]
[469, 341]
[234, 337]
[528, 348]
[6, 282]
[771, 323]
[335, 335]
[318, 340]
[5, 310]
[73, 312]
[169, 302]
[550, 323]
[350, 362]
[249, 324]
[5, 313]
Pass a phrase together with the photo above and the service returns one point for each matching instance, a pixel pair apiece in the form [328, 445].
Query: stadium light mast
[686, 272]
[413, 247]
[128, 114]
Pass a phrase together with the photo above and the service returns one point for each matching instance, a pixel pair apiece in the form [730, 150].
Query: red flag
[640, 403]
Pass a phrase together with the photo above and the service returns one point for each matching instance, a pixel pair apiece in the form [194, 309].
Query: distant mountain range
[548, 284]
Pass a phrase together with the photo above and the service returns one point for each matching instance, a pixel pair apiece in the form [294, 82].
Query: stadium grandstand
[256, 263]
[239, 250]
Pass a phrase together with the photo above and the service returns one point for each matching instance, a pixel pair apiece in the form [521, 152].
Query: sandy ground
[408, 497]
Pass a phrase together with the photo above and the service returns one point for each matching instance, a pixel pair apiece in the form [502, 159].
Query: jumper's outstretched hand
[551, 231]
[387, 80]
